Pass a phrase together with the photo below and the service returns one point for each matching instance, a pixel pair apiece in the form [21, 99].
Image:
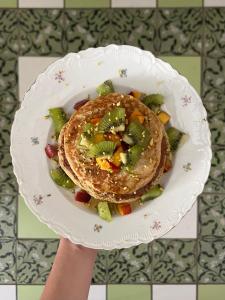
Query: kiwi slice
[87, 135]
[105, 88]
[60, 178]
[133, 155]
[174, 136]
[104, 211]
[153, 100]
[138, 134]
[101, 149]
[112, 119]
[153, 193]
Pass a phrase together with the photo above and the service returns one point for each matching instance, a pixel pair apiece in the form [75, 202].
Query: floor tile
[40, 3]
[187, 228]
[28, 292]
[97, 292]
[180, 3]
[136, 27]
[212, 215]
[9, 44]
[131, 292]
[133, 3]
[132, 265]
[100, 268]
[174, 261]
[7, 261]
[208, 292]
[8, 216]
[25, 218]
[87, 3]
[213, 79]
[188, 66]
[216, 119]
[180, 31]
[211, 260]
[41, 31]
[8, 184]
[86, 28]
[29, 69]
[214, 32]
[34, 260]
[8, 3]
[8, 292]
[175, 292]
[214, 3]
[216, 180]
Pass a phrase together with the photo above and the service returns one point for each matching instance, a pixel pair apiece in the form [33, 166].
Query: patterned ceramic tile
[212, 215]
[175, 292]
[9, 45]
[213, 79]
[8, 184]
[131, 292]
[87, 3]
[214, 32]
[174, 261]
[100, 268]
[86, 28]
[211, 260]
[216, 119]
[216, 180]
[180, 31]
[8, 205]
[34, 260]
[131, 265]
[41, 31]
[7, 261]
[136, 27]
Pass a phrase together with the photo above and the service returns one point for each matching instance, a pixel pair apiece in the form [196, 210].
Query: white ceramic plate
[71, 79]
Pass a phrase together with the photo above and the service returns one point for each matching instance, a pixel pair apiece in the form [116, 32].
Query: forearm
[71, 273]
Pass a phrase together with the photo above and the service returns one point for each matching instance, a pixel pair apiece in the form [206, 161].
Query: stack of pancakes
[121, 186]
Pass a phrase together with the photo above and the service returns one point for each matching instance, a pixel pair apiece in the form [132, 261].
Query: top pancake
[86, 170]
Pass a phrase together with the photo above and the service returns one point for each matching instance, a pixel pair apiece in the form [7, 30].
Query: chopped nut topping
[151, 142]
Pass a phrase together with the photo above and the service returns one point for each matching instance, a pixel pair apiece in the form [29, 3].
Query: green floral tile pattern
[214, 32]
[213, 79]
[9, 45]
[41, 31]
[8, 184]
[100, 268]
[216, 119]
[34, 260]
[211, 260]
[216, 180]
[174, 261]
[212, 215]
[7, 261]
[180, 31]
[131, 265]
[8, 212]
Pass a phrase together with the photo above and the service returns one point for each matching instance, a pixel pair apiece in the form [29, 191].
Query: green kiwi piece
[112, 119]
[174, 136]
[133, 155]
[153, 99]
[138, 134]
[105, 88]
[104, 148]
[61, 179]
[58, 117]
[153, 193]
[104, 211]
[88, 131]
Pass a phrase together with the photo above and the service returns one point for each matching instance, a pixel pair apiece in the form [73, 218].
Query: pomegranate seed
[51, 150]
[80, 104]
[82, 196]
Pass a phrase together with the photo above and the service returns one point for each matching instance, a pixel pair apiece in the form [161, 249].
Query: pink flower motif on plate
[156, 225]
[59, 76]
[38, 199]
[186, 100]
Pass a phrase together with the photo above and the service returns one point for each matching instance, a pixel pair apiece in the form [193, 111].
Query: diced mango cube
[103, 164]
[164, 117]
[137, 115]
